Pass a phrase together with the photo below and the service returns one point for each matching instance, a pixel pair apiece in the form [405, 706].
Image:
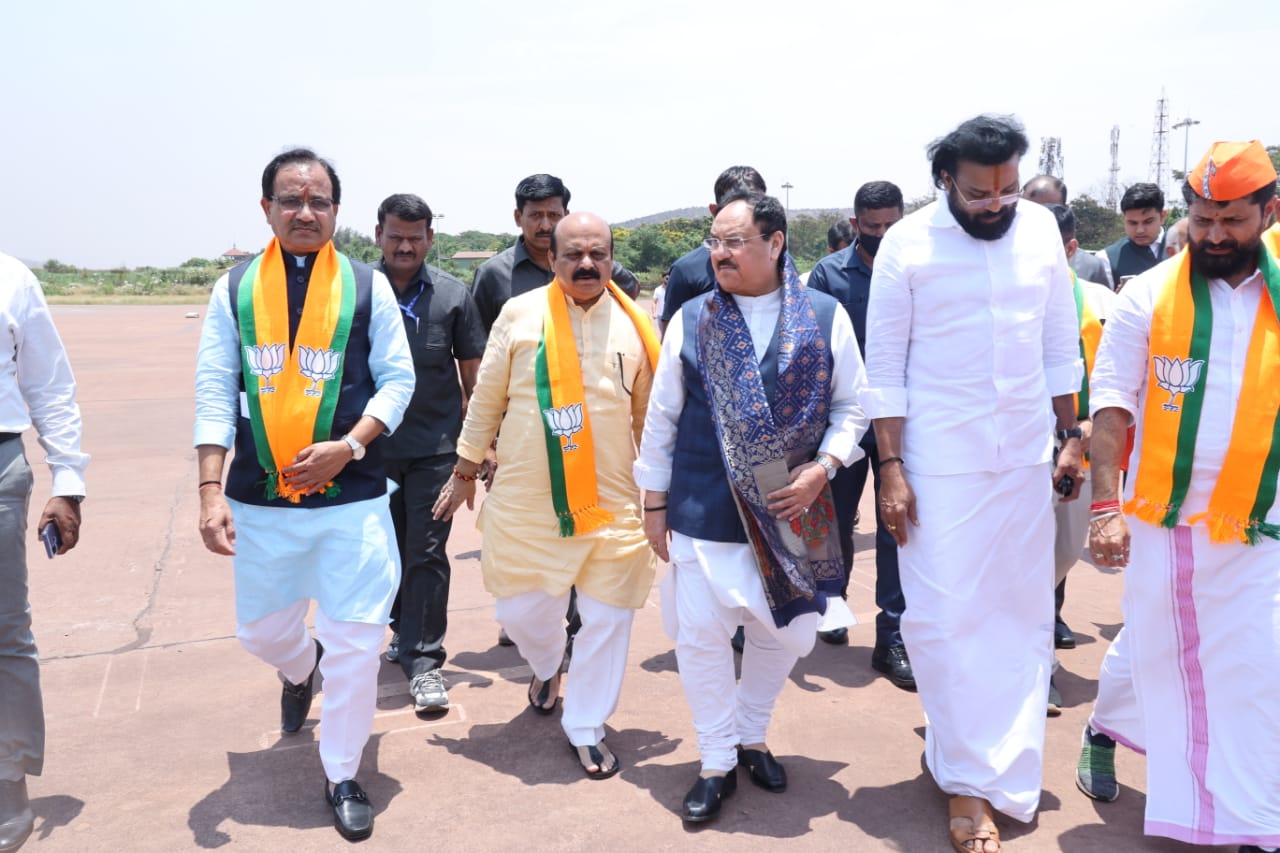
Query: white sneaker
[428, 692]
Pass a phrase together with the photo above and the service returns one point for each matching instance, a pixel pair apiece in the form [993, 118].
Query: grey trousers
[21, 708]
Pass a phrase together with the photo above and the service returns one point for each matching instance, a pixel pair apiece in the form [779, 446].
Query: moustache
[584, 275]
[1224, 246]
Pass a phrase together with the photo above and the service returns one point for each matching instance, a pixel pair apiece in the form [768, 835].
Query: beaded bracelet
[1104, 506]
[462, 477]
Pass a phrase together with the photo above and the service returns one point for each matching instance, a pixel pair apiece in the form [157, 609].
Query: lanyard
[407, 310]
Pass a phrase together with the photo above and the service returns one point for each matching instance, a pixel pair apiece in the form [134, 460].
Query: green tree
[197, 262]
[355, 245]
[52, 265]
[914, 204]
[1096, 225]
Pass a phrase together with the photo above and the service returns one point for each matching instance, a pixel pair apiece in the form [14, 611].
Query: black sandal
[539, 703]
[597, 758]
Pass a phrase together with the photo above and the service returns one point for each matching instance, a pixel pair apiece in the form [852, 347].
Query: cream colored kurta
[522, 547]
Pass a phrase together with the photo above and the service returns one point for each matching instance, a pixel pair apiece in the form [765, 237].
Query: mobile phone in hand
[52, 539]
[1065, 485]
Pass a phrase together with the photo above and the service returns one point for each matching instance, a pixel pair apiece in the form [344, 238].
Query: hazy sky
[135, 132]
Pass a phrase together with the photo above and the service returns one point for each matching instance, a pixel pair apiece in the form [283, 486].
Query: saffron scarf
[799, 562]
[562, 399]
[1181, 329]
[1090, 337]
[293, 390]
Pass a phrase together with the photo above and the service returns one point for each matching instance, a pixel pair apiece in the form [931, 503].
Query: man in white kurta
[971, 333]
[527, 561]
[1197, 679]
[715, 583]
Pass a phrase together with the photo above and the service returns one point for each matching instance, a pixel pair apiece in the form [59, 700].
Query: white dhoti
[349, 668]
[1070, 531]
[977, 576]
[711, 589]
[1115, 711]
[535, 623]
[1203, 624]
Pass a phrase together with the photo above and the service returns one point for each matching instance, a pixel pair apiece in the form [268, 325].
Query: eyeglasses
[979, 203]
[294, 203]
[731, 244]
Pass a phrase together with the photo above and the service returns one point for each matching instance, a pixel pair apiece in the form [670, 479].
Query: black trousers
[420, 614]
[846, 491]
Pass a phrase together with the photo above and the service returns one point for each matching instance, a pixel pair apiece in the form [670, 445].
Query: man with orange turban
[1192, 355]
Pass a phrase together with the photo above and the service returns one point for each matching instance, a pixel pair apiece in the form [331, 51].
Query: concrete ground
[164, 734]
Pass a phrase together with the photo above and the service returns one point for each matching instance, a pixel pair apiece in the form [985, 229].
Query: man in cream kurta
[528, 564]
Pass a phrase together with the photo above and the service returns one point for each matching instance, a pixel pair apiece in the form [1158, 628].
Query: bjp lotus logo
[1177, 376]
[265, 361]
[318, 365]
[564, 422]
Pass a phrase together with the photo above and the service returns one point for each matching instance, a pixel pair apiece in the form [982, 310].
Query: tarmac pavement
[163, 734]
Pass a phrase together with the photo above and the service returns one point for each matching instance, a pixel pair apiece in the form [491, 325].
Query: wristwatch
[825, 461]
[357, 449]
[1064, 434]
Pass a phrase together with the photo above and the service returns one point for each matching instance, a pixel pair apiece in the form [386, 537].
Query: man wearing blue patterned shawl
[753, 409]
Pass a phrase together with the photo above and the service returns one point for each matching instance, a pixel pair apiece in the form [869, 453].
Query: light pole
[435, 217]
[788, 187]
[1186, 123]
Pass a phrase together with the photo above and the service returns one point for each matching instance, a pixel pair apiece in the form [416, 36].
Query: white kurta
[969, 340]
[715, 586]
[1201, 619]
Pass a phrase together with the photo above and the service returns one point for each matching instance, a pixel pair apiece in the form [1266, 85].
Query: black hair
[1142, 197]
[541, 187]
[738, 178]
[767, 213]
[877, 195]
[404, 206]
[841, 231]
[1260, 196]
[298, 155]
[987, 140]
[1066, 220]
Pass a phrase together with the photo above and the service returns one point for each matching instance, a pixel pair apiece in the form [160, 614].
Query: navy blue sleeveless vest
[1128, 258]
[699, 501]
[359, 480]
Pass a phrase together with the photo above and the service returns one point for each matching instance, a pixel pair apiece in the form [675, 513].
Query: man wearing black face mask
[846, 275]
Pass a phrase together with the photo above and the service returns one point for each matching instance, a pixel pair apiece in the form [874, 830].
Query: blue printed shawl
[751, 432]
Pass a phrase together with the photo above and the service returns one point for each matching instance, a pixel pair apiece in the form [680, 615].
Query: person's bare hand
[794, 499]
[657, 532]
[217, 527]
[1109, 540]
[897, 502]
[64, 513]
[454, 494]
[316, 465]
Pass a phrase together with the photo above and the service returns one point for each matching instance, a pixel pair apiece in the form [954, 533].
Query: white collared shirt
[36, 384]
[969, 340]
[846, 422]
[1124, 359]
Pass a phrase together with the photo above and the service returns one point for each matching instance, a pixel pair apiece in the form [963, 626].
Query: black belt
[5, 436]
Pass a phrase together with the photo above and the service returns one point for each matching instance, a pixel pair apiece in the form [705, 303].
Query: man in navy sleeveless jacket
[754, 407]
[303, 364]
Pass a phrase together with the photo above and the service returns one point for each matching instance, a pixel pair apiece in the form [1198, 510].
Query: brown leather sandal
[972, 826]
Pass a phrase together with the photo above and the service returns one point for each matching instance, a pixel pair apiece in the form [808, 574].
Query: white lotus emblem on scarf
[265, 361]
[564, 422]
[318, 365]
[1177, 376]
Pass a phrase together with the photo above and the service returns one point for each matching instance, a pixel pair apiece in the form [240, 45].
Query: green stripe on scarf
[1271, 468]
[1192, 403]
[249, 332]
[555, 455]
[1082, 410]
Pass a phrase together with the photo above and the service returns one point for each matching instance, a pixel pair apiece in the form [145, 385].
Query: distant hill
[699, 212]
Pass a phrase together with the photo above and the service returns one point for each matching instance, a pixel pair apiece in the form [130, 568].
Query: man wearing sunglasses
[971, 331]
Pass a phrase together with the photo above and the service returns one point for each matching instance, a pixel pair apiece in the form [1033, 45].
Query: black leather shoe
[352, 814]
[703, 800]
[16, 818]
[836, 636]
[766, 772]
[295, 699]
[893, 662]
[1063, 638]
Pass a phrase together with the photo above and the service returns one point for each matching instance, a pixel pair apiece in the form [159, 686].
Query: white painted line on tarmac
[102, 690]
[142, 679]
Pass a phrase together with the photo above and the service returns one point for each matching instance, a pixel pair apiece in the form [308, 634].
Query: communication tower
[1051, 156]
[1113, 181]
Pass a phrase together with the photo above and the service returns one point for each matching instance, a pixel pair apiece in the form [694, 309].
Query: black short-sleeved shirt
[446, 330]
[512, 272]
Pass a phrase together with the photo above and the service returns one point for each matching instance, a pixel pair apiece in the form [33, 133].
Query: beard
[983, 225]
[1239, 259]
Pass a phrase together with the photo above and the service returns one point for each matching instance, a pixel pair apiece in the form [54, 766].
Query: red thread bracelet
[464, 479]
[1104, 506]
